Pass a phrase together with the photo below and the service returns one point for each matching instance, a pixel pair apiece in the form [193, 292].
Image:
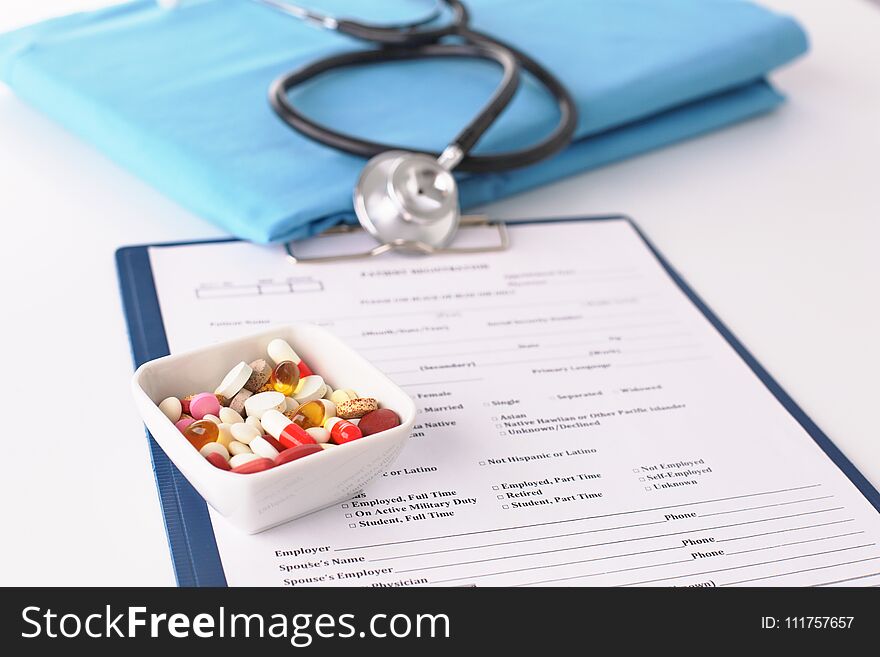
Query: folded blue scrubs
[180, 97]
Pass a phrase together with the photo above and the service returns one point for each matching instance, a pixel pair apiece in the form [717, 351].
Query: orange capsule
[201, 432]
[312, 414]
[284, 377]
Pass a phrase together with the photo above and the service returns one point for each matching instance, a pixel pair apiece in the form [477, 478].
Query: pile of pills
[262, 415]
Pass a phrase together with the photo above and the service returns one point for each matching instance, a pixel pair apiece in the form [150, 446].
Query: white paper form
[580, 423]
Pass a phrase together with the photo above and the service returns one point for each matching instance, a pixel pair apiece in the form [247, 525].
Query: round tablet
[258, 404]
[234, 380]
[214, 448]
[310, 388]
[241, 459]
[261, 447]
[229, 416]
[203, 404]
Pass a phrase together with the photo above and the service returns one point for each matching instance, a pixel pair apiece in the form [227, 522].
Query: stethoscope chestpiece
[408, 200]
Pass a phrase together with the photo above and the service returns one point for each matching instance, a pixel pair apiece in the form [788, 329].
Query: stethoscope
[408, 199]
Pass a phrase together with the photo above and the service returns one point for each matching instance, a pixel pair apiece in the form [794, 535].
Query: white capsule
[235, 448]
[172, 408]
[228, 416]
[261, 447]
[234, 380]
[213, 418]
[216, 448]
[309, 389]
[320, 434]
[280, 351]
[243, 432]
[258, 404]
[241, 459]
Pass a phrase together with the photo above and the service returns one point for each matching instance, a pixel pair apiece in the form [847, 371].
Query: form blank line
[797, 572]
[438, 383]
[750, 565]
[848, 579]
[559, 522]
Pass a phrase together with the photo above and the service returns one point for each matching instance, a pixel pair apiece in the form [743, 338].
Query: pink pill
[204, 404]
[183, 423]
[218, 461]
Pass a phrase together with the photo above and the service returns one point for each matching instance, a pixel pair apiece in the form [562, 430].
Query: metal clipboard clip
[405, 246]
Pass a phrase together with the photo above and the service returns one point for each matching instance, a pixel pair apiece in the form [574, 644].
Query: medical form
[580, 422]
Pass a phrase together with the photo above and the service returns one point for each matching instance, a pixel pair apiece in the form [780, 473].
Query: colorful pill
[172, 408]
[260, 372]
[313, 413]
[256, 465]
[379, 420]
[237, 402]
[218, 461]
[342, 431]
[295, 453]
[201, 432]
[203, 404]
[304, 370]
[183, 423]
[276, 444]
[258, 404]
[260, 447]
[285, 377]
[280, 427]
[356, 408]
[234, 380]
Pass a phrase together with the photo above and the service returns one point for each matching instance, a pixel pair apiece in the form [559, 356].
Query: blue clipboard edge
[193, 546]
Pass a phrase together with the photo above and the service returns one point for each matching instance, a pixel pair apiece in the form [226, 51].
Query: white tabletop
[775, 222]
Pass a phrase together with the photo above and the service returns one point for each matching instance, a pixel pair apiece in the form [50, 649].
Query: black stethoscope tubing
[410, 44]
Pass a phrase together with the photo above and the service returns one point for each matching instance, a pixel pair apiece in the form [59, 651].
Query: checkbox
[345, 506]
[482, 463]
[647, 488]
[494, 418]
[495, 488]
[500, 497]
[499, 426]
[641, 478]
[504, 506]
[502, 433]
[635, 469]
[352, 525]
[348, 515]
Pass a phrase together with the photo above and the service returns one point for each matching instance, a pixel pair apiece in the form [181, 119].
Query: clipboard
[194, 552]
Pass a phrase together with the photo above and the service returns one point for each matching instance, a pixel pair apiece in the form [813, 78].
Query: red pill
[257, 465]
[294, 436]
[297, 452]
[218, 461]
[381, 419]
[276, 444]
[342, 431]
[304, 370]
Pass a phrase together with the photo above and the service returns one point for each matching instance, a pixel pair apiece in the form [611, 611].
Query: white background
[775, 222]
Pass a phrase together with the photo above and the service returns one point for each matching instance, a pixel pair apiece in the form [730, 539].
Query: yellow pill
[285, 377]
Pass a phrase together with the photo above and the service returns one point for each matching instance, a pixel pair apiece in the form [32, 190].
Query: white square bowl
[255, 502]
